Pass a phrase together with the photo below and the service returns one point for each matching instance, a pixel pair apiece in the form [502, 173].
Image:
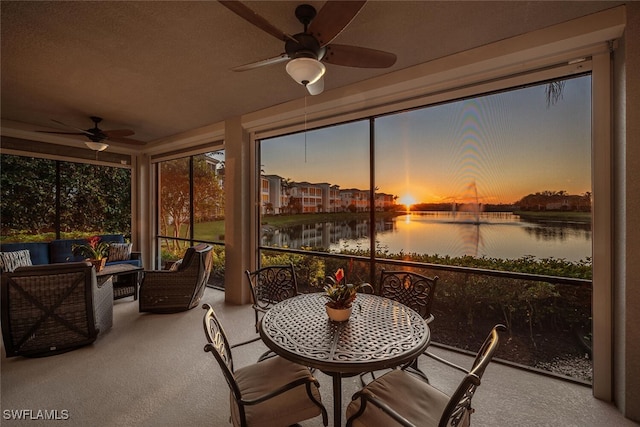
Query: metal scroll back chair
[270, 285]
[399, 397]
[413, 290]
[274, 391]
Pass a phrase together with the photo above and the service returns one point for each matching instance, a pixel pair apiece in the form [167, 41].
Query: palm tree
[553, 91]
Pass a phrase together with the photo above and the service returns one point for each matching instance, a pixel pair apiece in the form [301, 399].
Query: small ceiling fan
[97, 136]
[306, 51]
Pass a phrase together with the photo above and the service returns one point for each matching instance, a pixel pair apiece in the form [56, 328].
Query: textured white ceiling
[162, 68]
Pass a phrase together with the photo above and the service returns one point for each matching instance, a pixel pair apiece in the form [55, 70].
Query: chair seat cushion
[413, 398]
[285, 409]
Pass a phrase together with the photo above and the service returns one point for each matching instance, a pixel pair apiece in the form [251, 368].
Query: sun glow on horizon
[407, 200]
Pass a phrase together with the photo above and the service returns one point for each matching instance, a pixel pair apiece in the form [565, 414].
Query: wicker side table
[127, 288]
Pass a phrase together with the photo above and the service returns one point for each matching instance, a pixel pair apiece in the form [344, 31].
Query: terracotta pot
[98, 263]
[338, 314]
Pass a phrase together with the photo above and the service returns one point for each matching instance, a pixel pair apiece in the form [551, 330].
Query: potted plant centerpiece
[340, 295]
[95, 251]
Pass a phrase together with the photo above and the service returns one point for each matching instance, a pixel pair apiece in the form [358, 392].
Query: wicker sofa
[61, 251]
[58, 251]
[51, 309]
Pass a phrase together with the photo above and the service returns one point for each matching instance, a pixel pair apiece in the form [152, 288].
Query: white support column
[239, 246]
[144, 210]
[602, 228]
[626, 241]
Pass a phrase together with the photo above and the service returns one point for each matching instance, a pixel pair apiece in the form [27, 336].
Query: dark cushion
[38, 251]
[62, 250]
[112, 238]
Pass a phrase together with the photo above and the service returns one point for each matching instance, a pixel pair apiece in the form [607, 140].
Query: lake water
[493, 235]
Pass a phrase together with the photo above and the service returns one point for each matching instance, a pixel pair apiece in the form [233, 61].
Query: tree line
[541, 201]
[41, 196]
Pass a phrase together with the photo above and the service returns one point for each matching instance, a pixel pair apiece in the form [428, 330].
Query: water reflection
[494, 235]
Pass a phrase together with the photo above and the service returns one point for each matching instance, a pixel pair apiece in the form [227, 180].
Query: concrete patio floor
[151, 370]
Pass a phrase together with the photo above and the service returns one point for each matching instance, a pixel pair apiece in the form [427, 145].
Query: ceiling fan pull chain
[305, 128]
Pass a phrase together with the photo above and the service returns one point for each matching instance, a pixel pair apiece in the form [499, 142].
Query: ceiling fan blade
[360, 57]
[85, 132]
[117, 133]
[249, 15]
[125, 140]
[332, 19]
[269, 61]
[62, 133]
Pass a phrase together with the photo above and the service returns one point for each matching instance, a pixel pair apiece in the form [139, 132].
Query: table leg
[337, 399]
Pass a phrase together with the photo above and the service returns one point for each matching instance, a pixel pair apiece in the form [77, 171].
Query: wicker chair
[171, 291]
[400, 398]
[274, 392]
[54, 308]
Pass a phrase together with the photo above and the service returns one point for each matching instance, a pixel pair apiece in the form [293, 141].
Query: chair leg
[413, 367]
[362, 381]
[266, 355]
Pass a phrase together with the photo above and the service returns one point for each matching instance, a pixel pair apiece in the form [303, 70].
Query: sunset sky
[504, 146]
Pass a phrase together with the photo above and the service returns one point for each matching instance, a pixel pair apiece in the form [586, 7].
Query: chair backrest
[458, 410]
[48, 309]
[198, 260]
[198, 257]
[218, 345]
[412, 289]
[272, 284]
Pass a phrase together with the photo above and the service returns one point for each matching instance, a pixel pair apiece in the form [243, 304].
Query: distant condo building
[281, 196]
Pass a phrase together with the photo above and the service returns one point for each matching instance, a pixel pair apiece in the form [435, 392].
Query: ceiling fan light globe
[305, 71]
[97, 146]
[316, 88]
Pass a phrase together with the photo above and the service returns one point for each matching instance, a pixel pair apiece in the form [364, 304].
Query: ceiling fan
[97, 136]
[306, 51]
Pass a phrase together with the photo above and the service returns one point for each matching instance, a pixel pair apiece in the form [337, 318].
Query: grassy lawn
[210, 231]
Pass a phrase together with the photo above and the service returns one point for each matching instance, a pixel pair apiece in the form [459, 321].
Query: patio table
[381, 333]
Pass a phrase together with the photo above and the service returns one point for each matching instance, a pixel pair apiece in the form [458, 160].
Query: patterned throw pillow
[120, 251]
[9, 261]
